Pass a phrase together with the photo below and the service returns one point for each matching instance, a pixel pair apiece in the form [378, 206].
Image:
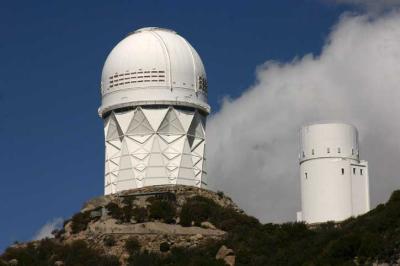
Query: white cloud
[45, 231]
[371, 5]
[253, 140]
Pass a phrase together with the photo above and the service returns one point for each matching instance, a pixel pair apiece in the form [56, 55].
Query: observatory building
[334, 181]
[154, 107]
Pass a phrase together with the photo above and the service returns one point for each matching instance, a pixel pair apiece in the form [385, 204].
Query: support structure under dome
[149, 146]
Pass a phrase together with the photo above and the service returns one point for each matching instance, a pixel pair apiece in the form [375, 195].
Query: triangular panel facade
[149, 146]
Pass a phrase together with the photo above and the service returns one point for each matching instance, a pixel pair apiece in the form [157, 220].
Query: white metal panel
[143, 157]
[328, 140]
[326, 193]
[360, 189]
[153, 66]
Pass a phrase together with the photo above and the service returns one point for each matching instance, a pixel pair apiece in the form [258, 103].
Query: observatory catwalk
[154, 106]
[334, 181]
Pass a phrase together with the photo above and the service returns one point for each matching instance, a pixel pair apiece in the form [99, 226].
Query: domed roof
[157, 59]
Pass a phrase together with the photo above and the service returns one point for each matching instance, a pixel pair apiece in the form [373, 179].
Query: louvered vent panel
[136, 77]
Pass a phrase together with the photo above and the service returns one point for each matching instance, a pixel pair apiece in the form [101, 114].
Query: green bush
[132, 245]
[115, 211]
[46, 252]
[80, 222]
[395, 197]
[124, 214]
[140, 214]
[164, 247]
[109, 241]
[368, 238]
[127, 213]
[128, 200]
[197, 209]
[145, 258]
[162, 210]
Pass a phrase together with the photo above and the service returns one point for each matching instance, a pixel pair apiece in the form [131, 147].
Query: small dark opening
[342, 171]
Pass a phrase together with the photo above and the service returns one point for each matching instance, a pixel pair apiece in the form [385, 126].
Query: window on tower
[342, 171]
[354, 171]
[361, 171]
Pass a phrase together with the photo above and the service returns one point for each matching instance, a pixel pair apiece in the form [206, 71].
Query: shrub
[197, 209]
[109, 241]
[140, 214]
[115, 211]
[123, 214]
[145, 258]
[395, 197]
[127, 214]
[128, 200]
[162, 210]
[80, 222]
[164, 247]
[47, 252]
[132, 245]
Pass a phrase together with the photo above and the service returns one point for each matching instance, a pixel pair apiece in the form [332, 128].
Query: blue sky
[52, 53]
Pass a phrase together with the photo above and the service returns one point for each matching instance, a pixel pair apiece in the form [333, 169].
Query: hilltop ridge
[190, 226]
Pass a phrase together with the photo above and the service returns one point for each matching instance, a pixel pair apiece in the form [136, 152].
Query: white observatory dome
[153, 66]
[154, 107]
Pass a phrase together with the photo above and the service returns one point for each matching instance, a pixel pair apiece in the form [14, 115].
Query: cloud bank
[45, 231]
[371, 5]
[253, 140]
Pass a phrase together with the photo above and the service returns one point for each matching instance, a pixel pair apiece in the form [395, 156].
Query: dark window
[361, 171]
[354, 171]
[338, 150]
[312, 151]
[342, 171]
[352, 151]
[306, 175]
[328, 150]
[304, 155]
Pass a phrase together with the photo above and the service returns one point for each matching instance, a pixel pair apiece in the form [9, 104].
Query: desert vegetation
[364, 240]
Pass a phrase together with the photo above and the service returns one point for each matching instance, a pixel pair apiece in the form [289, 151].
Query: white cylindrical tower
[334, 182]
[154, 106]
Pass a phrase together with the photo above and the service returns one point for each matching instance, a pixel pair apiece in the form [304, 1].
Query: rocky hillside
[189, 226]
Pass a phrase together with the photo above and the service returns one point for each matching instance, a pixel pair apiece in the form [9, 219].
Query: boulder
[227, 255]
[13, 262]
[207, 225]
